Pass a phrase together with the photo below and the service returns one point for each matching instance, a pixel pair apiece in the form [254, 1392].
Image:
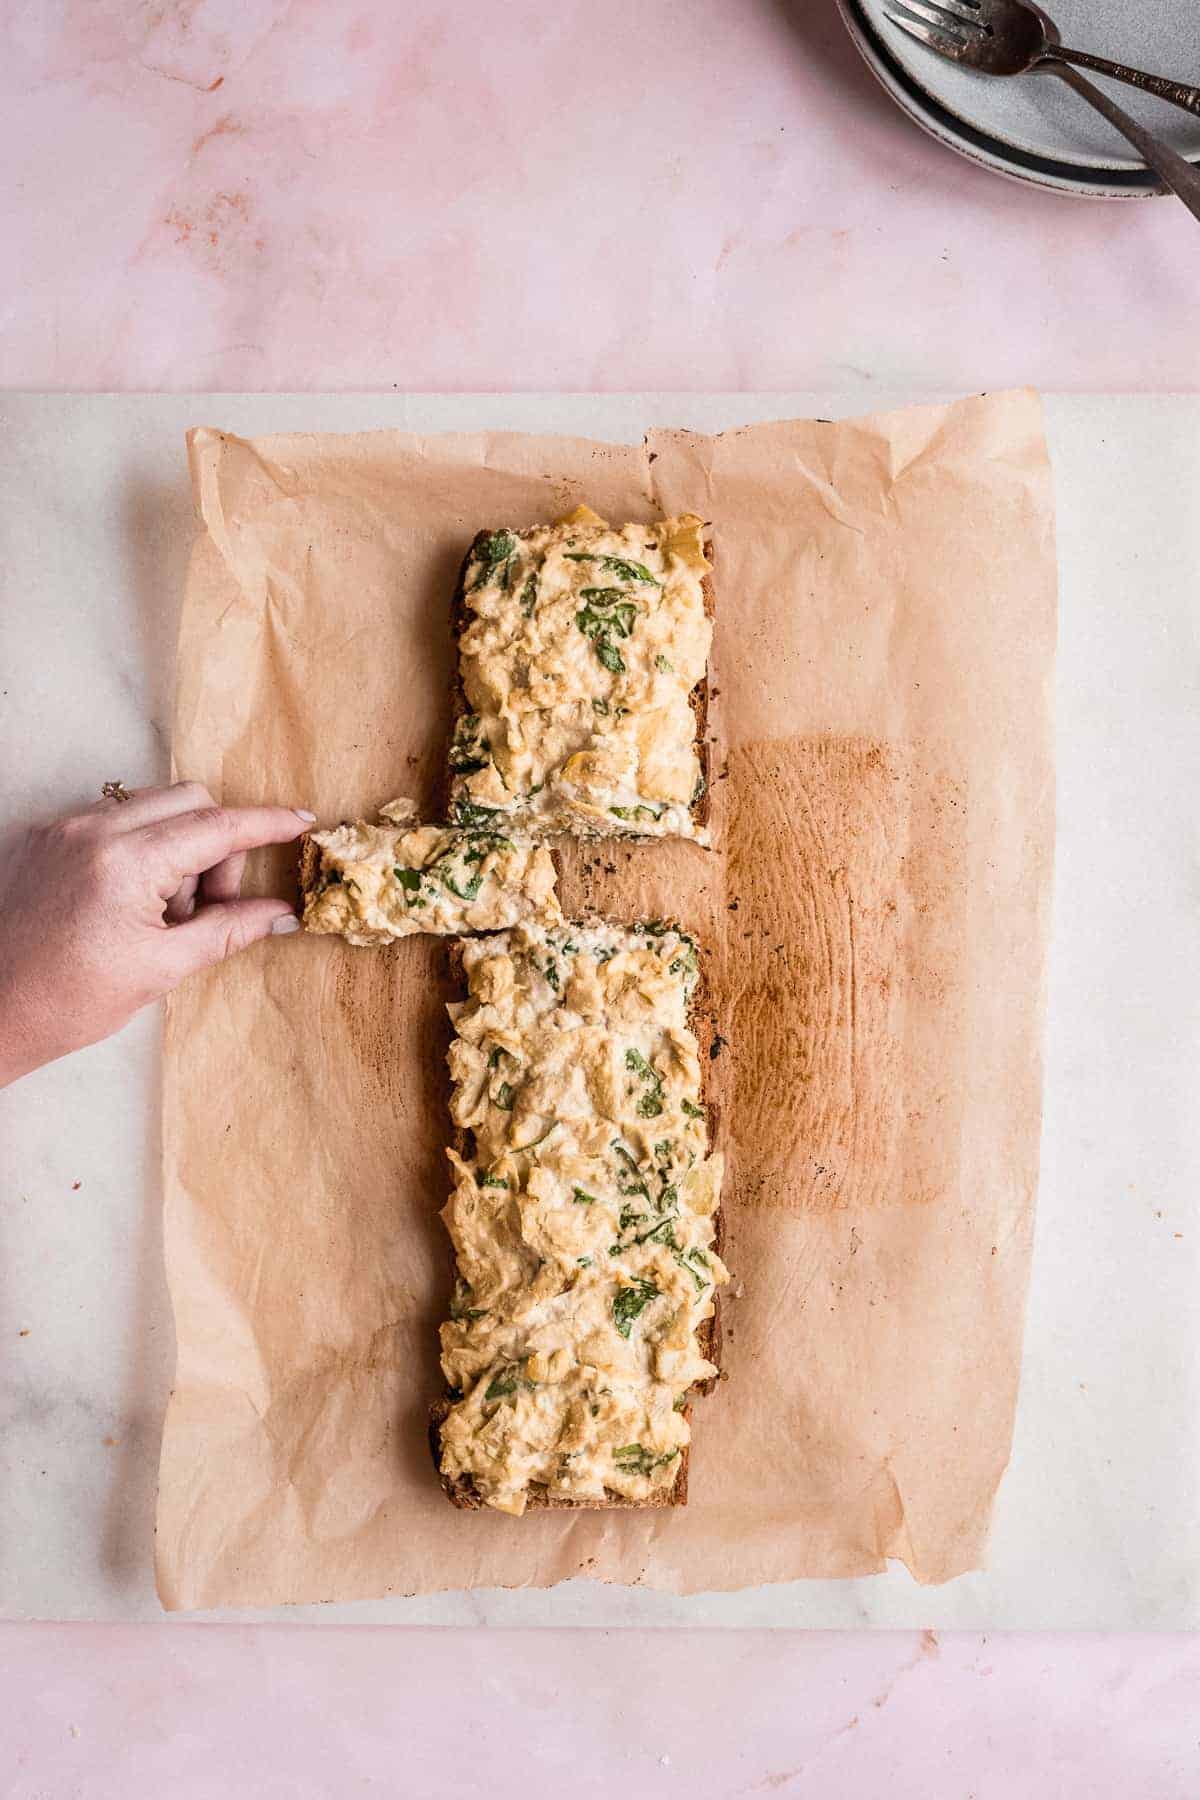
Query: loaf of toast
[581, 697]
[585, 1220]
[585, 1217]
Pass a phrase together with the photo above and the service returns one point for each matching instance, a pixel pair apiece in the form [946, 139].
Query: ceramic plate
[1034, 128]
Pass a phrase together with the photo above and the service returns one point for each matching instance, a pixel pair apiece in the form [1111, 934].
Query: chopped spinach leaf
[632, 1182]
[459, 1309]
[692, 1110]
[662, 1233]
[651, 1103]
[633, 1459]
[604, 617]
[507, 1382]
[686, 963]
[529, 596]
[629, 1303]
[582, 1197]
[469, 751]
[503, 1097]
[483, 843]
[651, 1227]
[664, 665]
[494, 559]
[472, 817]
[611, 609]
[463, 886]
[616, 565]
[409, 879]
[499, 1181]
[687, 1259]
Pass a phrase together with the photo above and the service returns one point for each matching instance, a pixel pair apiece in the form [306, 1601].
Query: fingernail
[286, 922]
[309, 818]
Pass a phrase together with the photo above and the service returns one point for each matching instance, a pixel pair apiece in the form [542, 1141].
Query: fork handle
[1181, 176]
[1179, 93]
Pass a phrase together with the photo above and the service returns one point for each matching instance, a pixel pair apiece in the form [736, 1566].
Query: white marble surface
[1097, 1520]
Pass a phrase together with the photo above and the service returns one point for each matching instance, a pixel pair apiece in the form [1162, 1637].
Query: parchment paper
[875, 913]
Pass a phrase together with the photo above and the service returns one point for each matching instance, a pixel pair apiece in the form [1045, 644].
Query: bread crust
[461, 1490]
[310, 868]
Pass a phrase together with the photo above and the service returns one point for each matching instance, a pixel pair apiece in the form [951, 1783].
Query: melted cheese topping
[583, 1223]
[585, 645]
[379, 882]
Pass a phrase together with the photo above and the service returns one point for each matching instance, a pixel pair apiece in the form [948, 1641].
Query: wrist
[25, 1044]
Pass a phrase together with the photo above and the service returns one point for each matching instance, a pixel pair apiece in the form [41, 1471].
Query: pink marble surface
[110, 1713]
[646, 194]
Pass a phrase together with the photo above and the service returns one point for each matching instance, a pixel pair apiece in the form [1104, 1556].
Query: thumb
[224, 927]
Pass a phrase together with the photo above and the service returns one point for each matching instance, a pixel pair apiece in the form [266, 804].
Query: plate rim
[1085, 180]
[1123, 161]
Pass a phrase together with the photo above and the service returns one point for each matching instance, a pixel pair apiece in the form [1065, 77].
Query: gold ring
[115, 790]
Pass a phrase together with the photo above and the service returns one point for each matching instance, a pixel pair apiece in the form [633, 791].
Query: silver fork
[1011, 37]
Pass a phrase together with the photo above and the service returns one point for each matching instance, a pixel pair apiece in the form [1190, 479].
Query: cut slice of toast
[699, 808]
[462, 1490]
[372, 884]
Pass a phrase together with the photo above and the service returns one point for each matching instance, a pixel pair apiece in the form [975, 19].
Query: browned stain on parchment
[836, 905]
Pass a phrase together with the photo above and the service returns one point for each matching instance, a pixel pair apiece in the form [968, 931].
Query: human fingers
[149, 805]
[182, 903]
[221, 930]
[195, 841]
[224, 882]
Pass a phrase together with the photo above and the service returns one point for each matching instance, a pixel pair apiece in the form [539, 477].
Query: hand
[108, 910]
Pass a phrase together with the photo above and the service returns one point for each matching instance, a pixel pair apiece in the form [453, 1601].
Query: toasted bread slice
[461, 1491]
[372, 884]
[698, 698]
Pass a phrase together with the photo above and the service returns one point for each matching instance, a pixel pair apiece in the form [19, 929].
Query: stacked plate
[1033, 127]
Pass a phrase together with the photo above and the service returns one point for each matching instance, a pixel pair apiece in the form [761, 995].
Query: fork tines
[943, 25]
